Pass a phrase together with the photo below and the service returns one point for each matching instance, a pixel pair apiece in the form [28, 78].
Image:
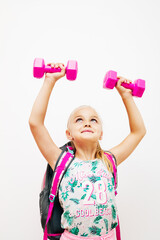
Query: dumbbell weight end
[71, 70]
[110, 80]
[138, 88]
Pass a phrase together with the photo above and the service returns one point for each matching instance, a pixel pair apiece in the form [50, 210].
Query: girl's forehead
[85, 111]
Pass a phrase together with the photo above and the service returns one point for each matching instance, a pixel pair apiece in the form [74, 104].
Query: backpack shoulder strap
[62, 164]
[49, 173]
[114, 164]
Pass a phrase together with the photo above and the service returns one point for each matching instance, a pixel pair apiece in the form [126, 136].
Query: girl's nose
[87, 125]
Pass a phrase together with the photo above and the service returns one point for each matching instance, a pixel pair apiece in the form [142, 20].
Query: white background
[101, 35]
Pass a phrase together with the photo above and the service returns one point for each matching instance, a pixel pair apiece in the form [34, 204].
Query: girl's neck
[86, 152]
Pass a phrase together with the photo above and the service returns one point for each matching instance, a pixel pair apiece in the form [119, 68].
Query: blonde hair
[100, 155]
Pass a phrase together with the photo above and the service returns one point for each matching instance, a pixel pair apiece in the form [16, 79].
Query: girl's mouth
[86, 131]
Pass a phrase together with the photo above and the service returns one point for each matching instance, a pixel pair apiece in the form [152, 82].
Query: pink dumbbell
[39, 68]
[137, 87]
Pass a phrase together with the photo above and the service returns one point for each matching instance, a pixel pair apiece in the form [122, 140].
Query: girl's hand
[57, 75]
[124, 92]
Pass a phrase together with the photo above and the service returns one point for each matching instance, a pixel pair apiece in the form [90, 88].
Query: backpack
[50, 208]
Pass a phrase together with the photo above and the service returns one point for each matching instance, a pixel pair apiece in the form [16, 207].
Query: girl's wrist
[126, 96]
[50, 81]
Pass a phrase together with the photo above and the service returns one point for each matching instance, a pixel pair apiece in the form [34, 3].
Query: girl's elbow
[143, 133]
[30, 122]
[140, 134]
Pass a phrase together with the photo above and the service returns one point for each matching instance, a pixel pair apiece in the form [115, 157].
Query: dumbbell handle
[128, 85]
[49, 69]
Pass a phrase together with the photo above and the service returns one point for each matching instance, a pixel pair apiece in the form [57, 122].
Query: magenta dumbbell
[39, 68]
[137, 87]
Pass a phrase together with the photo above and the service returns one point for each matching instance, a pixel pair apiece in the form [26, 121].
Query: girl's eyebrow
[82, 116]
[95, 117]
[77, 116]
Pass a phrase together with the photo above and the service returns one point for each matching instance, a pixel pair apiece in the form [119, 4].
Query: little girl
[86, 192]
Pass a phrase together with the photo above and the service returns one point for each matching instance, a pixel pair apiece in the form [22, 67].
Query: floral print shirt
[86, 194]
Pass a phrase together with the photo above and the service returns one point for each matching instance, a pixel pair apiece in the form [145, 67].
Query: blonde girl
[86, 192]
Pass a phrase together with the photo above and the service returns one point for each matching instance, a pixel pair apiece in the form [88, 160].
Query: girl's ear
[68, 134]
[100, 138]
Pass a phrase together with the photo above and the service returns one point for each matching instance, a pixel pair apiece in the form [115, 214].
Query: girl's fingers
[122, 79]
[56, 65]
[61, 65]
[51, 64]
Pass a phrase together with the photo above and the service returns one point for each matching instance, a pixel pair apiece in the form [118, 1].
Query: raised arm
[36, 120]
[137, 127]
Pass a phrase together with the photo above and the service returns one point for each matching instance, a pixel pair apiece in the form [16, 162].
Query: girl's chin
[88, 138]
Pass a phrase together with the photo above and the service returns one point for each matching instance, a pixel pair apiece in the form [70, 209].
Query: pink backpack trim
[118, 234]
[114, 170]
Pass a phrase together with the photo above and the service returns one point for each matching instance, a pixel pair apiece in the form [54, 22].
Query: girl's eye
[94, 120]
[78, 119]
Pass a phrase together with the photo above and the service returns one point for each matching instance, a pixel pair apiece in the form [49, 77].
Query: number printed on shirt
[100, 191]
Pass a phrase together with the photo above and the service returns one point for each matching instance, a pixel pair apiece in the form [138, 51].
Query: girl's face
[84, 124]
